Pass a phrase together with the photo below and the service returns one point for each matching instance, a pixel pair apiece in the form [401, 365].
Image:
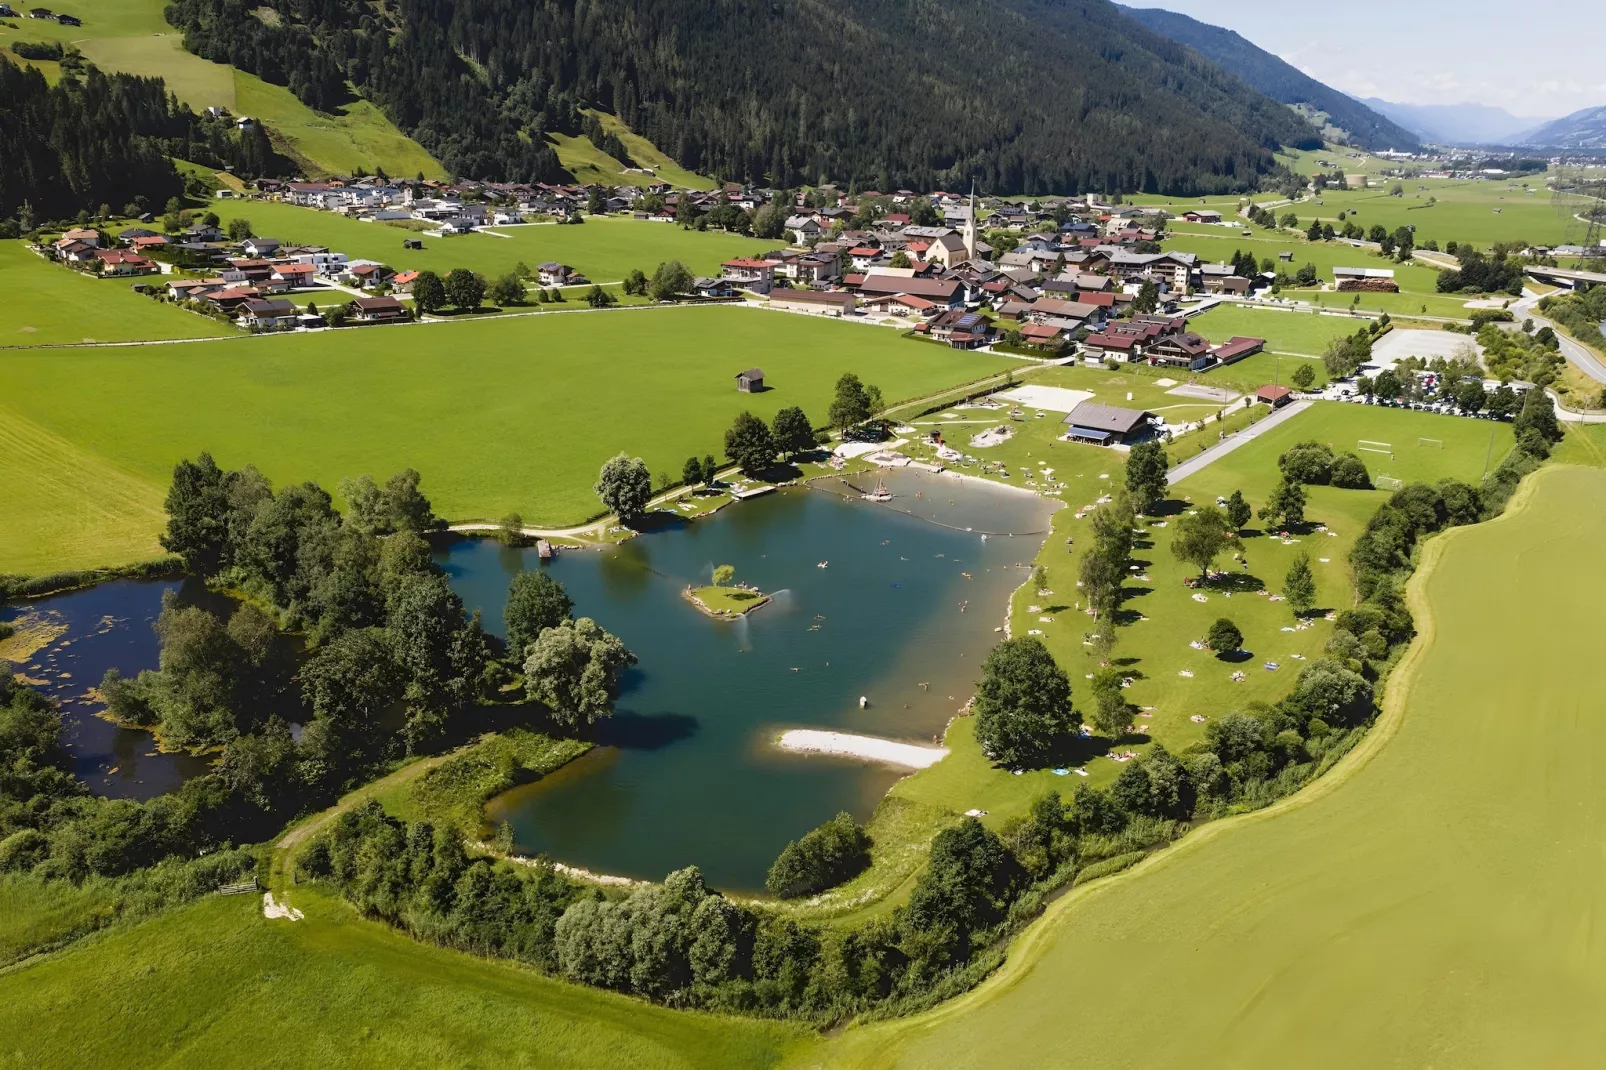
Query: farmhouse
[751, 381]
[552, 274]
[824, 304]
[1104, 425]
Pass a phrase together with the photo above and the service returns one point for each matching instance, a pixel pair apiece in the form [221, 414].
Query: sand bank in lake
[870, 748]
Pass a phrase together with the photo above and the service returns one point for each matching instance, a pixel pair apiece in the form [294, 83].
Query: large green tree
[793, 432]
[574, 669]
[1200, 538]
[625, 487]
[1299, 586]
[1023, 704]
[1146, 467]
[535, 602]
[750, 444]
[429, 292]
[464, 288]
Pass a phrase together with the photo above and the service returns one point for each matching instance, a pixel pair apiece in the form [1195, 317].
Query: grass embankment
[1395, 911]
[603, 248]
[454, 790]
[205, 983]
[534, 405]
[49, 304]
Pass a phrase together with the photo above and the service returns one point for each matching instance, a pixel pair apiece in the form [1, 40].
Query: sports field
[1429, 903]
[132, 36]
[603, 248]
[48, 304]
[511, 414]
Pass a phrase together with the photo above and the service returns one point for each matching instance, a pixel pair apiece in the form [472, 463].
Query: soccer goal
[1388, 483]
[1367, 445]
[1431, 443]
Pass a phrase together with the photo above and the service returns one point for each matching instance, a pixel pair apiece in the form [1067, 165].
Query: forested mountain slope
[1023, 96]
[1277, 78]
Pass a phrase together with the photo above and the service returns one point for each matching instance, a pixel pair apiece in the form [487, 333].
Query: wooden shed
[751, 381]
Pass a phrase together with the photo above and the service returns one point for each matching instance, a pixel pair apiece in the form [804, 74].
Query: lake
[906, 606]
[903, 612]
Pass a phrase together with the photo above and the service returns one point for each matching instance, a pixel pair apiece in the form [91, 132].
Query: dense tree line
[104, 140]
[1581, 313]
[1482, 273]
[861, 92]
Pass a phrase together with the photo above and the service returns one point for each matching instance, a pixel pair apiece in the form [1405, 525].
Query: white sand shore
[870, 748]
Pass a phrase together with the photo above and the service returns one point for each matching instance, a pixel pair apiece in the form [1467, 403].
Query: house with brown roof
[960, 329]
[948, 293]
[1183, 350]
[271, 314]
[377, 310]
[1275, 396]
[122, 262]
[899, 305]
[1124, 345]
[1237, 348]
[750, 273]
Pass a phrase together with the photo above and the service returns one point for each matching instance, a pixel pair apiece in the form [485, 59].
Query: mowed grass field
[217, 984]
[1154, 650]
[603, 248]
[1299, 333]
[1429, 903]
[512, 414]
[132, 36]
[48, 304]
[1479, 212]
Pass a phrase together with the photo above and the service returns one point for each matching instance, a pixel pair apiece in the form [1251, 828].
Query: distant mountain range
[1325, 106]
[1582, 131]
[1459, 124]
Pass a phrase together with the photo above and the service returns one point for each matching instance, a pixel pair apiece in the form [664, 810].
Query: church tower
[970, 226]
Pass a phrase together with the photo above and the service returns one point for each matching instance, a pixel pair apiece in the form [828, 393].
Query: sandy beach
[870, 748]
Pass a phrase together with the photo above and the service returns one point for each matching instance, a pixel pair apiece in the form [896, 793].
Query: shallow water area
[108, 626]
[895, 602]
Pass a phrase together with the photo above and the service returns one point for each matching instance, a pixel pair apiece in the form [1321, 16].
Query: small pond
[902, 612]
[109, 626]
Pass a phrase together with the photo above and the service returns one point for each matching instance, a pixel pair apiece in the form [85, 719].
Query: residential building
[1182, 350]
[377, 310]
[261, 314]
[960, 329]
[750, 273]
[122, 262]
[949, 292]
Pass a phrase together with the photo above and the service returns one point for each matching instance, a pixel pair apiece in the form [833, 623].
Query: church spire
[970, 226]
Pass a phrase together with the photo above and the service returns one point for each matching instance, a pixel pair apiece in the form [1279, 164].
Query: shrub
[836, 851]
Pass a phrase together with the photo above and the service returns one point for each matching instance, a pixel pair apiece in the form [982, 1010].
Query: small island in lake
[725, 603]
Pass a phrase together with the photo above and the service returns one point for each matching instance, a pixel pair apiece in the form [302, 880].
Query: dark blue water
[100, 628]
[690, 774]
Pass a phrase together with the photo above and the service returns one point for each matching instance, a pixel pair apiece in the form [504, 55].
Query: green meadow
[1403, 910]
[48, 304]
[603, 248]
[1299, 333]
[132, 36]
[1476, 211]
[217, 984]
[500, 415]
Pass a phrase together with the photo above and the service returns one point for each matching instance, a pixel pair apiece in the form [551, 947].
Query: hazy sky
[1538, 57]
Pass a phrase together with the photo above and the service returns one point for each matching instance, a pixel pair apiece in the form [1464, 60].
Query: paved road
[1580, 355]
[1221, 449]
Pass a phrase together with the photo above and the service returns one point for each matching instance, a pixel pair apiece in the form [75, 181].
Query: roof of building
[1364, 273]
[1272, 393]
[1187, 342]
[276, 306]
[377, 304]
[879, 283]
[1107, 418]
[813, 297]
[1238, 345]
[1113, 340]
[751, 373]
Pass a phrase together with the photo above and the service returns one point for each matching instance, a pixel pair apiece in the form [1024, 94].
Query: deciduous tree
[625, 487]
[574, 669]
[535, 602]
[1023, 703]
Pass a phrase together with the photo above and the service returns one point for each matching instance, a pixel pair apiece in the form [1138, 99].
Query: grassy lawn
[511, 414]
[217, 979]
[728, 601]
[1301, 333]
[48, 304]
[36, 914]
[1463, 211]
[132, 36]
[604, 248]
[1392, 914]
[1155, 650]
[1418, 283]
